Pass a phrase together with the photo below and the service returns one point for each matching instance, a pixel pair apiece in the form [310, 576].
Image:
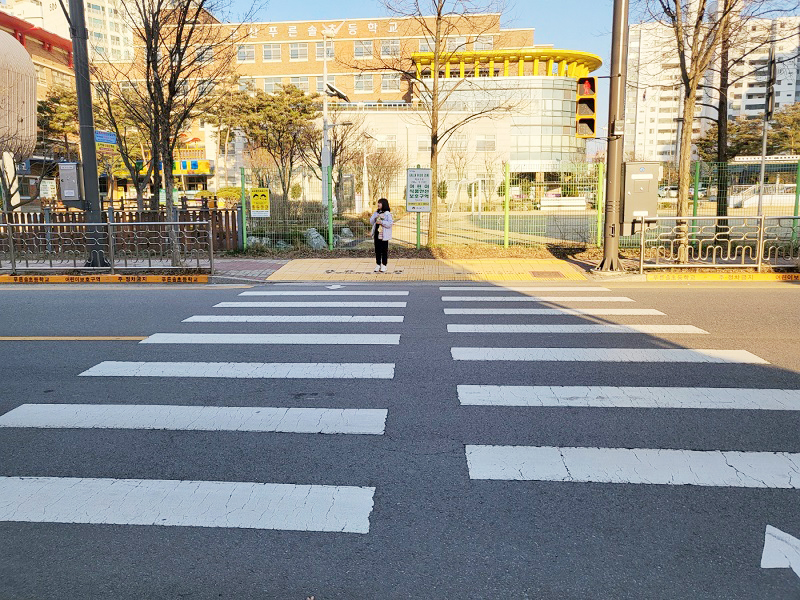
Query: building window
[272, 84]
[41, 76]
[485, 143]
[299, 82]
[206, 86]
[205, 54]
[457, 143]
[390, 82]
[426, 45]
[456, 44]
[390, 48]
[483, 43]
[298, 51]
[60, 79]
[320, 46]
[246, 84]
[321, 83]
[423, 143]
[363, 84]
[271, 52]
[246, 53]
[362, 48]
[386, 142]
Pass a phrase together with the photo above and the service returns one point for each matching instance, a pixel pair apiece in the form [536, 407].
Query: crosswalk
[297, 506]
[639, 466]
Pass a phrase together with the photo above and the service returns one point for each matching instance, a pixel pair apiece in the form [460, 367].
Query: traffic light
[772, 75]
[586, 112]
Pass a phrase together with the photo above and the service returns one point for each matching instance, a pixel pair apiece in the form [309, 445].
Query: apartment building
[654, 96]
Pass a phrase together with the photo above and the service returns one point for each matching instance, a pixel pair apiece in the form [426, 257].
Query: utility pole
[616, 130]
[95, 237]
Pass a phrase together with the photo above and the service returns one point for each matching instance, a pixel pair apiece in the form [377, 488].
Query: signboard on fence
[106, 141]
[418, 190]
[259, 202]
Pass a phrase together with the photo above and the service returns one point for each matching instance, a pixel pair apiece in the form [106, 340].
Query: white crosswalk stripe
[551, 288]
[325, 293]
[554, 312]
[629, 397]
[678, 355]
[535, 299]
[232, 370]
[197, 418]
[310, 305]
[294, 319]
[636, 465]
[573, 329]
[327, 339]
[245, 505]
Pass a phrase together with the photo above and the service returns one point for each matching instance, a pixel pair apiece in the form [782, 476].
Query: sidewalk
[403, 269]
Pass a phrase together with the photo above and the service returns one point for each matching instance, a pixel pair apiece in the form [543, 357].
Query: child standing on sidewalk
[381, 221]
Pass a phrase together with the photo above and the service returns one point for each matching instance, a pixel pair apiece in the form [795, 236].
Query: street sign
[105, 141]
[418, 190]
[47, 188]
[259, 202]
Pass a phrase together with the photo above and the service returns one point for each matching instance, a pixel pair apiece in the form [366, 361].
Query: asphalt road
[434, 531]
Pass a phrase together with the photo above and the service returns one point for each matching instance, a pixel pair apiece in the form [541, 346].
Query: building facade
[655, 94]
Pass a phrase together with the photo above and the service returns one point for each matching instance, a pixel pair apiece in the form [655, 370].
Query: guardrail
[166, 245]
[729, 242]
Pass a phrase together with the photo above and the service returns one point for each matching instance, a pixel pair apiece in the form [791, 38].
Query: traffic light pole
[616, 129]
[95, 239]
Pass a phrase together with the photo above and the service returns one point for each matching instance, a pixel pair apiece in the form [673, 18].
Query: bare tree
[445, 25]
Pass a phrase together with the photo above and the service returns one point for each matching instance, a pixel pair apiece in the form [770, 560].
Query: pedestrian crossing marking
[629, 397]
[197, 418]
[677, 355]
[310, 305]
[294, 319]
[589, 312]
[573, 329]
[502, 288]
[326, 293]
[232, 370]
[327, 339]
[246, 505]
[535, 299]
[635, 466]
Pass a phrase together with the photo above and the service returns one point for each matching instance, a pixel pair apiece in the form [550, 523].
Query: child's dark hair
[385, 203]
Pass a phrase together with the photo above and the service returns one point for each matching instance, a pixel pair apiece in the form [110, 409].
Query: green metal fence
[559, 206]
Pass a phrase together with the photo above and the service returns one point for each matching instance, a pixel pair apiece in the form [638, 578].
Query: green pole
[796, 203]
[601, 186]
[696, 194]
[244, 210]
[419, 217]
[506, 204]
[329, 184]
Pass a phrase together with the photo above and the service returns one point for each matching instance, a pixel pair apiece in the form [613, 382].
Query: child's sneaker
[378, 268]
[383, 268]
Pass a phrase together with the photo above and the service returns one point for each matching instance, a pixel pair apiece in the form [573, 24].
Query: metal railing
[728, 242]
[165, 245]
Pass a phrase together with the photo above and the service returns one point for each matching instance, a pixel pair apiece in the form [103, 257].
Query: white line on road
[781, 551]
[294, 319]
[535, 299]
[328, 293]
[594, 328]
[186, 503]
[637, 465]
[681, 355]
[328, 339]
[197, 418]
[232, 370]
[502, 288]
[629, 397]
[590, 312]
[310, 305]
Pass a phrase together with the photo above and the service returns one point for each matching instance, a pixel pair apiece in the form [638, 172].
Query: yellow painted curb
[103, 278]
[723, 277]
[63, 338]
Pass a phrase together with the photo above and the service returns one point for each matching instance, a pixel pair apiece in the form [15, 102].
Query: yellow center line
[63, 338]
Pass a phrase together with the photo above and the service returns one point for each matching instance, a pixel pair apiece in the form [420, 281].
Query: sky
[569, 24]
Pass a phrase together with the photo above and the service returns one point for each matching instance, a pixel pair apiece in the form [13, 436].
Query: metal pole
[796, 203]
[763, 166]
[91, 185]
[210, 247]
[329, 187]
[243, 212]
[419, 217]
[326, 153]
[365, 203]
[642, 247]
[600, 204]
[506, 204]
[110, 225]
[616, 130]
[11, 246]
[760, 249]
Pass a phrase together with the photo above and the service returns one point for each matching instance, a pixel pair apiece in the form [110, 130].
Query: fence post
[48, 235]
[210, 246]
[760, 249]
[600, 202]
[242, 214]
[796, 203]
[11, 246]
[110, 225]
[506, 204]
